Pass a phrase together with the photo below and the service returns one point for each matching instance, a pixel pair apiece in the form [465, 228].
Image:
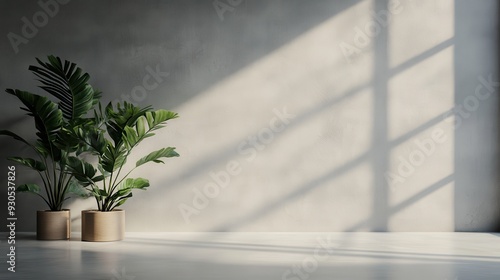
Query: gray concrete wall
[345, 115]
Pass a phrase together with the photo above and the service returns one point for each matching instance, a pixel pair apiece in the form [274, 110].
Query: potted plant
[53, 146]
[115, 132]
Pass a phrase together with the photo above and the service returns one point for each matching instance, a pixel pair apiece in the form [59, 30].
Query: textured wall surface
[349, 115]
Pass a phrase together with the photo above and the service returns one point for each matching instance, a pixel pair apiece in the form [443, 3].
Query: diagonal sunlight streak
[225, 153]
[241, 103]
[408, 135]
[416, 197]
[295, 194]
[355, 162]
[432, 188]
[421, 57]
[382, 73]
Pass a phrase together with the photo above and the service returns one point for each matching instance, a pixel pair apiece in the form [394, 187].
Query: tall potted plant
[53, 146]
[110, 140]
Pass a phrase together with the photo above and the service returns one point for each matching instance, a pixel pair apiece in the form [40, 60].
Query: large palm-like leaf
[126, 126]
[83, 171]
[48, 119]
[15, 136]
[69, 84]
[29, 162]
[145, 125]
[157, 155]
[125, 191]
[113, 157]
[133, 125]
[124, 116]
[65, 131]
[55, 126]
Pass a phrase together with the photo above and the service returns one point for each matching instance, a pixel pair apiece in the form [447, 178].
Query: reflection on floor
[258, 256]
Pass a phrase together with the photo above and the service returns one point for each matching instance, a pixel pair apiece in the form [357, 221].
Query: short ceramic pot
[103, 226]
[53, 225]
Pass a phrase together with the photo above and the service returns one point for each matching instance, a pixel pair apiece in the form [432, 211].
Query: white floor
[258, 256]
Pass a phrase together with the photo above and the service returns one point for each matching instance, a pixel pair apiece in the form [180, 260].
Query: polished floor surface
[259, 256]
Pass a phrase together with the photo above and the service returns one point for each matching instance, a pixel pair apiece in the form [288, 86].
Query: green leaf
[99, 193]
[113, 157]
[131, 137]
[140, 127]
[86, 136]
[144, 125]
[31, 188]
[83, 171]
[48, 120]
[125, 115]
[104, 173]
[98, 178]
[15, 136]
[156, 155]
[66, 140]
[125, 190]
[76, 188]
[29, 162]
[120, 201]
[69, 84]
[138, 183]
[158, 117]
[120, 193]
[128, 185]
[39, 149]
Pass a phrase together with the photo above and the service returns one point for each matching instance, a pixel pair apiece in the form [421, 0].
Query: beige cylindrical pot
[103, 226]
[53, 225]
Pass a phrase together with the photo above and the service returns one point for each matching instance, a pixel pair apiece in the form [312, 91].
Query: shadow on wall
[119, 44]
[398, 89]
[497, 139]
[477, 183]
[379, 155]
